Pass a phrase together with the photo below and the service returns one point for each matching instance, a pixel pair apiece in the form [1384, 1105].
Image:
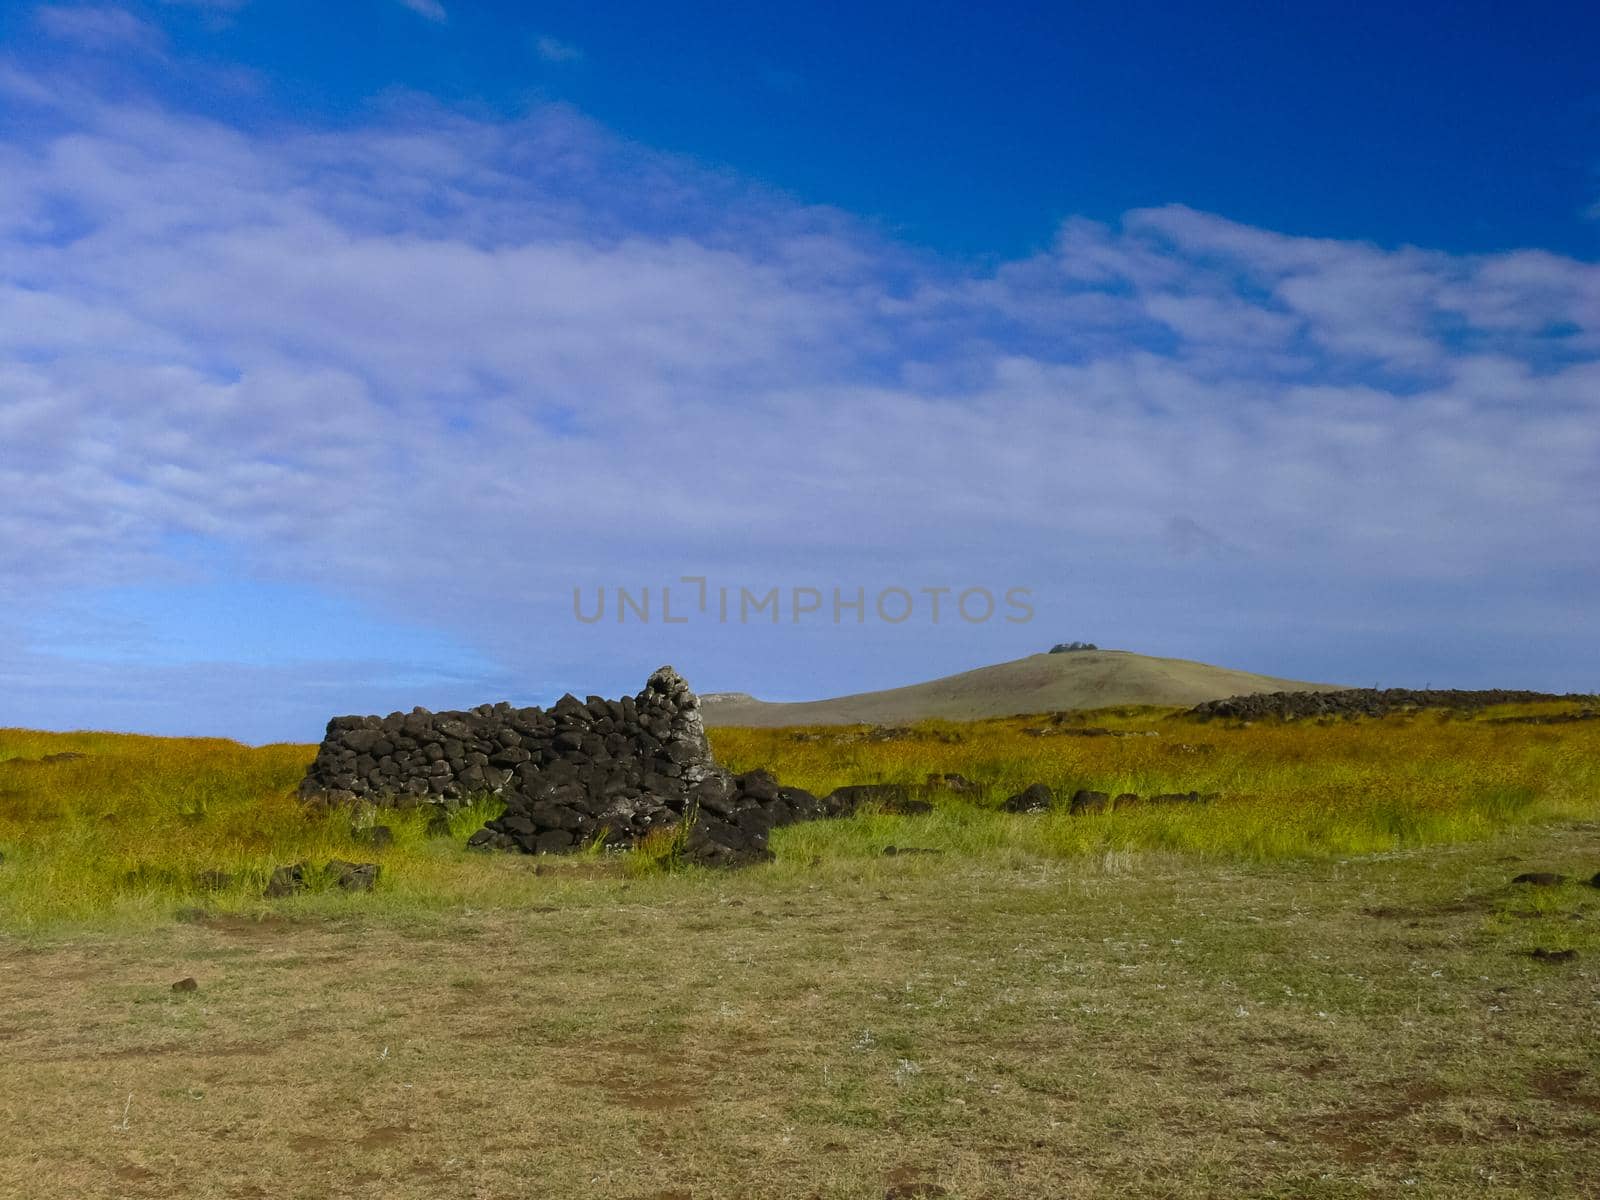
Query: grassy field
[1322, 983]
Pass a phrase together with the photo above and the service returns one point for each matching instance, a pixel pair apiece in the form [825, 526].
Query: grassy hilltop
[1321, 983]
[1081, 679]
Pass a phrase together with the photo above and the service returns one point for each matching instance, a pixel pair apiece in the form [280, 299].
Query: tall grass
[130, 829]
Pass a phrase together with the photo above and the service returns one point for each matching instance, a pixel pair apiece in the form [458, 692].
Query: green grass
[126, 832]
[1129, 1024]
[1320, 984]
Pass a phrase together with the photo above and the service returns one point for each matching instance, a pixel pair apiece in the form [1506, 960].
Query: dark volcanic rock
[841, 802]
[354, 877]
[287, 881]
[1034, 798]
[1540, 954]
[714, 843]
[604, 769]
[1084, 802]
[1176, 798]
[1364, 702]
[189, 984]
[1540, 879]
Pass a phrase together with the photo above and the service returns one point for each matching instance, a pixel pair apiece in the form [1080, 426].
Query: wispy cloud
[553, 50]
[456, 366]
[431, 9]
[98, 27]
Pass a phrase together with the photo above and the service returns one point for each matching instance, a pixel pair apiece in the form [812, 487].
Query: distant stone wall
[612, 769]
[1365, 702]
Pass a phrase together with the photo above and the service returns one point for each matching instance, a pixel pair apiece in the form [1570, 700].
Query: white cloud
[431, 9]
[553, 50]
[461, 365]
[98, 27]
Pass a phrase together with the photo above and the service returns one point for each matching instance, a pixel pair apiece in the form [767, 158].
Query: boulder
[1034, 798]
[1085, 802]
[1540, 879]
[287, 881]
[354, 877]
[841, 802]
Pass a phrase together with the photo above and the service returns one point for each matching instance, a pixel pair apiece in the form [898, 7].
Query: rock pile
[1363, 702]
[1039, 797]
[613, 770]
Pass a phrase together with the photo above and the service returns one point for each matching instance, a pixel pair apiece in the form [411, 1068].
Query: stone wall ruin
[613, 770]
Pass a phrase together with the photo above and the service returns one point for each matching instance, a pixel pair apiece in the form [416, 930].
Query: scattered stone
[894, 851]
[287, 881]
[375, 837]
[1060, 727]
[611, 771]
[1594, 880]
[186, 985]
[1587, 714]
[1553, 956]
[715, 843]
[1085, 802]
[1176, 798]
[1035, 798]
[1366, 702]
[1540, 879]
[64, 756]
[950, 781]
[354, 877]
[1072, 647]
[1126, 800]
[841, 802]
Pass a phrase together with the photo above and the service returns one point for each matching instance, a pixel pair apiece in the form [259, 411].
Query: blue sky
[339, 344]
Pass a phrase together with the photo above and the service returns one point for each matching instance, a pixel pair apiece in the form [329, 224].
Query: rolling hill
[1038, 683]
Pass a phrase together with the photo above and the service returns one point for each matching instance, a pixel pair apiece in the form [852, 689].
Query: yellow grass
[1236, 999]
[128, 830]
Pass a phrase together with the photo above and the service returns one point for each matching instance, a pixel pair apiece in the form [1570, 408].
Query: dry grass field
[1322, 983]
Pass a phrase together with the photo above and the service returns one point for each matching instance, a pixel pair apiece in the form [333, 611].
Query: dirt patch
[1368, 1135]
[1566, 1087]
[910, 1183]
[385, 1136]
[1423, 912]
[1316, 1069]
[266, 925]
[579, 870]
